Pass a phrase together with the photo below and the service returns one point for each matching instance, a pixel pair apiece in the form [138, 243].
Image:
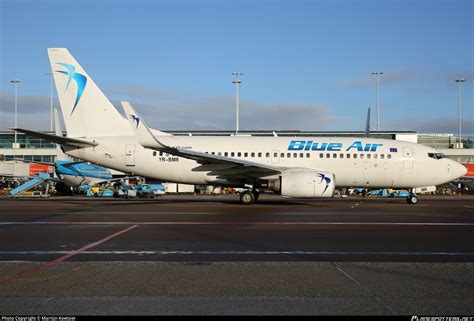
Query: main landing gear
[412, 199]
[249, 197]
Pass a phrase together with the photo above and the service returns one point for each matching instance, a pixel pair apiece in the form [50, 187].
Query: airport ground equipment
[36, 181]
[150, 190]
[97, 191]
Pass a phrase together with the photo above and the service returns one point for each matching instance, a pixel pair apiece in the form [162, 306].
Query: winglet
[367, 124]
[140, 128]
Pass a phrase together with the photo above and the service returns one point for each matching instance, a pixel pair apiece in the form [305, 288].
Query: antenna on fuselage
[367, 124]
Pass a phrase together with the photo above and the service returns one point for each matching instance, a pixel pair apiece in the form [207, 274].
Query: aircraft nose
[458, 170]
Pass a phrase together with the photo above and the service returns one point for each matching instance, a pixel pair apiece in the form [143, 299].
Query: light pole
[377, 73]
[51, 101]
[459, 81]
[237, 83]
[16, 82]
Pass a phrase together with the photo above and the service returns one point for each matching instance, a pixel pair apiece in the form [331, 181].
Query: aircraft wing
[217, 165]
[75, 142]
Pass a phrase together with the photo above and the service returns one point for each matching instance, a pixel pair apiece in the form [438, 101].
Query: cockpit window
[436, 155]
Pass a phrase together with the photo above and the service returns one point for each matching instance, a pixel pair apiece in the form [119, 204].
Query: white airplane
[309, 167]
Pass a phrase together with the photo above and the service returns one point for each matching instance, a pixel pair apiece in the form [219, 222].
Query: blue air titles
[316, 146]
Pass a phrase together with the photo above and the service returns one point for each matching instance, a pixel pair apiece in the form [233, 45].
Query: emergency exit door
[130, 155]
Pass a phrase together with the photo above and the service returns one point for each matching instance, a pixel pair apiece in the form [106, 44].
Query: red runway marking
[63, 258]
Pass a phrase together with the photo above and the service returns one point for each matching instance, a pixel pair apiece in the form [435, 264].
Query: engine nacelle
[304, 184]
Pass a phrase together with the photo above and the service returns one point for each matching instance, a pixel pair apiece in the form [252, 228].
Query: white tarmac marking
[170, 252]
[365, 289]
[243, 223]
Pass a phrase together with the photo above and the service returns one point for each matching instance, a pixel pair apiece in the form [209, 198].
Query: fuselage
[356, 162]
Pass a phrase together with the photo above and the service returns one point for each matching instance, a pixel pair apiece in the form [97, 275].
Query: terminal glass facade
[25, 141]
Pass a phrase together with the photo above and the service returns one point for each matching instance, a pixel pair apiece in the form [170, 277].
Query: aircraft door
[275, 156]
[408, 158]
[130, 155]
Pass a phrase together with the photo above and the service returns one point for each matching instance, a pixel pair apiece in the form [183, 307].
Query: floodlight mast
[237, 83]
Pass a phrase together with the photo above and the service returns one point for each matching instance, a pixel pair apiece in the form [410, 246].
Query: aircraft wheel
[412, 199]
[247, 198]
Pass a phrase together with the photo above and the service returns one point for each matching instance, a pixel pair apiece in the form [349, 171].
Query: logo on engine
[326, 179]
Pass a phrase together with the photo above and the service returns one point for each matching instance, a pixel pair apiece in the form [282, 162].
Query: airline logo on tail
[80, 80]
[135, 119]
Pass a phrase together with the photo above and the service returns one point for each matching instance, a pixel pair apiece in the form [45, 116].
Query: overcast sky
[306, 64]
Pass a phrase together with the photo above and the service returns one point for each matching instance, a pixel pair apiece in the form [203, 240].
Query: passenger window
[288, 155]
[295, 155]
[239, 154]
[259, 154]
[308, 155]
[246, 154]
[355, 156]
[341, 155]
[212, 153]
[219, 153]
[226, 154]
[252, 154]
[275, 154]
[328, 155]
[321, 155]
[301, 155]
[389, 156]
[282, 155]
[348, 155]
[382, 156]
[232, 154]
[376, 156]
[362, 156]
[268, 155]
[369, 156]
[334, 155]
[154, 153]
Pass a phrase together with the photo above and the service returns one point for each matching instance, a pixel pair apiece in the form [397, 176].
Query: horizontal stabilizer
[74, 142]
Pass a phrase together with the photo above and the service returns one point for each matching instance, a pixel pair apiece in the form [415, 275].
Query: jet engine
[305, 183]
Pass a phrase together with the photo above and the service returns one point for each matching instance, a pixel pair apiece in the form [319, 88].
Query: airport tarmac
[211, 255]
